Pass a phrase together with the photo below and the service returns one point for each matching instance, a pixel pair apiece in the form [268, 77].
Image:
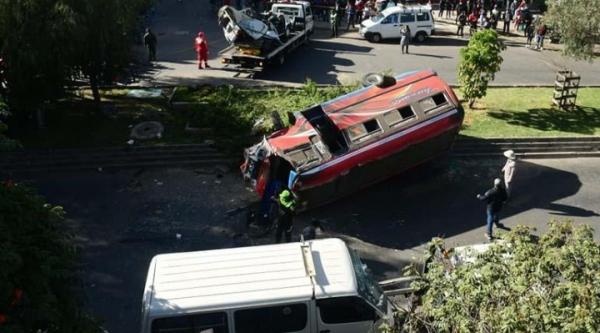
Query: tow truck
[258, 40]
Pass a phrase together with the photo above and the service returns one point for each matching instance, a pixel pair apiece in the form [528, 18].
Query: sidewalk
[445, 26]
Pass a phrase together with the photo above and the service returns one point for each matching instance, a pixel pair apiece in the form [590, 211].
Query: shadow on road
[325, 61]
[438, 199]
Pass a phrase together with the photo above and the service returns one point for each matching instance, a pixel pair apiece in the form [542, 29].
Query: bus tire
[378, 80]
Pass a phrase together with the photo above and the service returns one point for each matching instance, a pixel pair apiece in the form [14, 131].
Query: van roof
[247, 276]
[403, 8]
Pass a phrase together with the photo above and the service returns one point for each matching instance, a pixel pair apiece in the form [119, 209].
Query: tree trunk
[40, 117]
[94, 86]
[471, 103]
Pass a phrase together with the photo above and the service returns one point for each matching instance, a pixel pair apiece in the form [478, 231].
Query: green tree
[578, 23]
[479, 62]
[37, 278]
[46, 43]
[521, 284]
[35, 44]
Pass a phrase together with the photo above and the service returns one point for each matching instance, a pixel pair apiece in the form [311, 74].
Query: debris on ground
[147, 130]
[145, 93]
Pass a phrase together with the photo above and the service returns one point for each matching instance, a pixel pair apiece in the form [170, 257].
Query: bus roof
[246, 276]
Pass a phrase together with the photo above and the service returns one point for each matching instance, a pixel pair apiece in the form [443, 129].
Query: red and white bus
[345, 144]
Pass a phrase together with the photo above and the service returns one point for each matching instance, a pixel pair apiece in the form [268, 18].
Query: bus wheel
[378, 80]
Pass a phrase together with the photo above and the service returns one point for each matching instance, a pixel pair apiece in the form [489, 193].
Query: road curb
[205, 155]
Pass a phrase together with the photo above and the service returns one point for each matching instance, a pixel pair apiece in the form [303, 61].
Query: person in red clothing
[201, 47]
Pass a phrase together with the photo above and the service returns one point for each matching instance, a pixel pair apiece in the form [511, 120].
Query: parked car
[387, 23]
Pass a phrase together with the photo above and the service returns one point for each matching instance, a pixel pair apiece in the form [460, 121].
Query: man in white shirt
[509, 169]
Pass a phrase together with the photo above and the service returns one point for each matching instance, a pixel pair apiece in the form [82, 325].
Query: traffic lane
[335, 60]
[438, 199]
[441, 53]
[123, 218]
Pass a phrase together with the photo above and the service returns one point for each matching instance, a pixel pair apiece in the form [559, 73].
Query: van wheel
[421, 36]
[375, 38]
[378, 80]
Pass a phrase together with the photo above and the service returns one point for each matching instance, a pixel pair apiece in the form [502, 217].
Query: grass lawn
[236, 117]
[528, 112]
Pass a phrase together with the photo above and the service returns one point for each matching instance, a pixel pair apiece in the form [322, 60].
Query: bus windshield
[368, 288]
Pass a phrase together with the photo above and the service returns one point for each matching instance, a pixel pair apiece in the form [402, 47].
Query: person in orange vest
[201, 47]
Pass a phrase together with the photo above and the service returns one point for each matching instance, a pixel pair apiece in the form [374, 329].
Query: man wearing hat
[509, 170]
[494, 198]
[287, 205]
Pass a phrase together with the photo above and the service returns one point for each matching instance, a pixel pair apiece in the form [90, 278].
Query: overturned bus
[343, 145]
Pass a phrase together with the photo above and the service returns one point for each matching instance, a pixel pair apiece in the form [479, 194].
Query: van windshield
[377, 18]
[368, 288]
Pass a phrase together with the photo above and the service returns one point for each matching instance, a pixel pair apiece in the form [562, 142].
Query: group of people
[496, 197]
[200, 46]
[515, 12]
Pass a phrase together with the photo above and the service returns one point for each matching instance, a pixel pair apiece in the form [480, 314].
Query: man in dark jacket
[494, 199]
[150, 43]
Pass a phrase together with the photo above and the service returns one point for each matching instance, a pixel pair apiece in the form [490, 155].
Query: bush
[523, 284]
[37, 278]
[479, 62]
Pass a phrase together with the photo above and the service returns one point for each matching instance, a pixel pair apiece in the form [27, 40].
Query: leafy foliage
[7, 144]
[37, 275]
[521, 284]
[47, 42]
[479, 62]
[578, 23]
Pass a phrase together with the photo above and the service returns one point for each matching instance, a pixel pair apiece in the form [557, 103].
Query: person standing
[494, 199]
[285, 221]
[472, 19]
[442, 7]
[360, 6]
[150, 42]
[201, 47]
[507, 19]
[541, 34]
[404, 38]
[449, 8]
[462, 21]
[350, 11]
[508, 170]
[333, 21]
[529, 32]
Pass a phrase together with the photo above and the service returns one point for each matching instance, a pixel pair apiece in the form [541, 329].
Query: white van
[311, 287]
[387, 23]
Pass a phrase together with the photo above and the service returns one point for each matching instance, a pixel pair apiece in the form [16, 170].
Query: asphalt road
[329, 61]
[124, 218]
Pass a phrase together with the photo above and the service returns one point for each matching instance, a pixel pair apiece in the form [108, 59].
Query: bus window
[431, 103]
[396, 116]
[361, 131]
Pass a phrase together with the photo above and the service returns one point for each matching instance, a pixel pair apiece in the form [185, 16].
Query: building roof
[247, 276]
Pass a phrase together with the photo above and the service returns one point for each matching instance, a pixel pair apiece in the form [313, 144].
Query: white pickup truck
[260, 39]
[310, 287]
